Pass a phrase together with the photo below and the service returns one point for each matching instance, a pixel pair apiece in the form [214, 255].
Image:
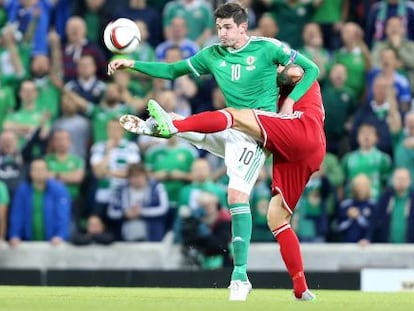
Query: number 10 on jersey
[235, 72]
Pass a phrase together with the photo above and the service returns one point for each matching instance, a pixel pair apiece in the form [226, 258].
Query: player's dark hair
[232, 10]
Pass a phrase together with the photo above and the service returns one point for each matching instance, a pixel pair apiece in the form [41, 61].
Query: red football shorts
[297, 143]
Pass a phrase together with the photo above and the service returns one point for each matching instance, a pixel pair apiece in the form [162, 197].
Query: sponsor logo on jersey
[223, 64]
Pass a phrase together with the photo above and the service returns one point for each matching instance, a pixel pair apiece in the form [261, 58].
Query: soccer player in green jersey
[245, 69]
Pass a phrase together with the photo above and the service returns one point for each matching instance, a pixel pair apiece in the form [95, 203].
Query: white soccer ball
[122, 36]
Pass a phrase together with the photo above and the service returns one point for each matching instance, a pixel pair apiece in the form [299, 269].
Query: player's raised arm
[161, 70]
[311, 73]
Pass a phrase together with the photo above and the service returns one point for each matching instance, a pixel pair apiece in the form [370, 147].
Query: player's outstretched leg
[164, 121]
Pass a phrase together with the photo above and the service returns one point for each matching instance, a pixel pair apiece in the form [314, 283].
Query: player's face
[229, 33]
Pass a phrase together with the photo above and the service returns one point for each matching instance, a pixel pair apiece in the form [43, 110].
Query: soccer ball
[122, 36]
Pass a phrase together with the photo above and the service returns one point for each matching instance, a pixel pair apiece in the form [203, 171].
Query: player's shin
[205, 122]
[292, 257]
[241, 235]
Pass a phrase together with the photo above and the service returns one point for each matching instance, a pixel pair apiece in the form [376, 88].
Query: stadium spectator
[355, 56]
[332, 170]
[95, 233]
[355, 214]
[14, 59]
[67, 168]
[109, 160]
[284, 12]
[97, 15]
[311, 219]
[76, 46]
[201, 182]
[380, 12]
[389, 71]
[7, 103]
[197, 14]
[178, 37]
[403, 144]
[368, 160]
[25, 121]
[330, 16]
[261, 195]
[378, 112]
[394, 218]
[40, 210]
[11, 161]
[340, 104]
[3, 14]
[4, 204]
[206, 233]
[266, 27]
[32, 18]
[86, 83]
[48, 92]
[402, 46]
[170, 163]
[75, 124]
[126, 81]
[111, 106]
[184, 87]
[139, 209]
[313, 48]
[140, 10]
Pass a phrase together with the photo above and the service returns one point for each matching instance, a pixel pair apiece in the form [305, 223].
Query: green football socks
[241, 229]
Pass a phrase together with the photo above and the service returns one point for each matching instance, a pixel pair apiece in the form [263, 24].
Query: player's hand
[119, 64]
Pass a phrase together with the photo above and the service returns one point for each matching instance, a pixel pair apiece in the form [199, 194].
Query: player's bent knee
[277, 215]
[235, 196]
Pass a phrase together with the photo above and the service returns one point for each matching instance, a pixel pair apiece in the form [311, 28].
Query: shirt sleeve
[284, 55]
[198, 63]
[162, 70]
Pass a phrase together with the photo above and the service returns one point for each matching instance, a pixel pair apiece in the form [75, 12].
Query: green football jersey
[247, 76]
[375, 164]
[100, 117]
[198, 16]
[71, 164]
[172, 158]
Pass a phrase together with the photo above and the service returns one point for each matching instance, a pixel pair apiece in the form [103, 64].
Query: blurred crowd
[69, 172]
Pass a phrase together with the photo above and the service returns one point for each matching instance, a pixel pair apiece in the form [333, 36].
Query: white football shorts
[244, 157]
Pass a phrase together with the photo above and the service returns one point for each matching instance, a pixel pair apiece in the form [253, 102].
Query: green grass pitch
[18, 298]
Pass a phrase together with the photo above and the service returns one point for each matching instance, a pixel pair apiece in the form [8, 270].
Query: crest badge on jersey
[250, 63]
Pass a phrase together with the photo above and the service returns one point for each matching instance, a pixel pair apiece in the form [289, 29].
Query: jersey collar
[231, 50]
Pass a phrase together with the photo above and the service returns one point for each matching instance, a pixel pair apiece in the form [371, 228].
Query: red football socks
[291, 255]
[205, 122]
